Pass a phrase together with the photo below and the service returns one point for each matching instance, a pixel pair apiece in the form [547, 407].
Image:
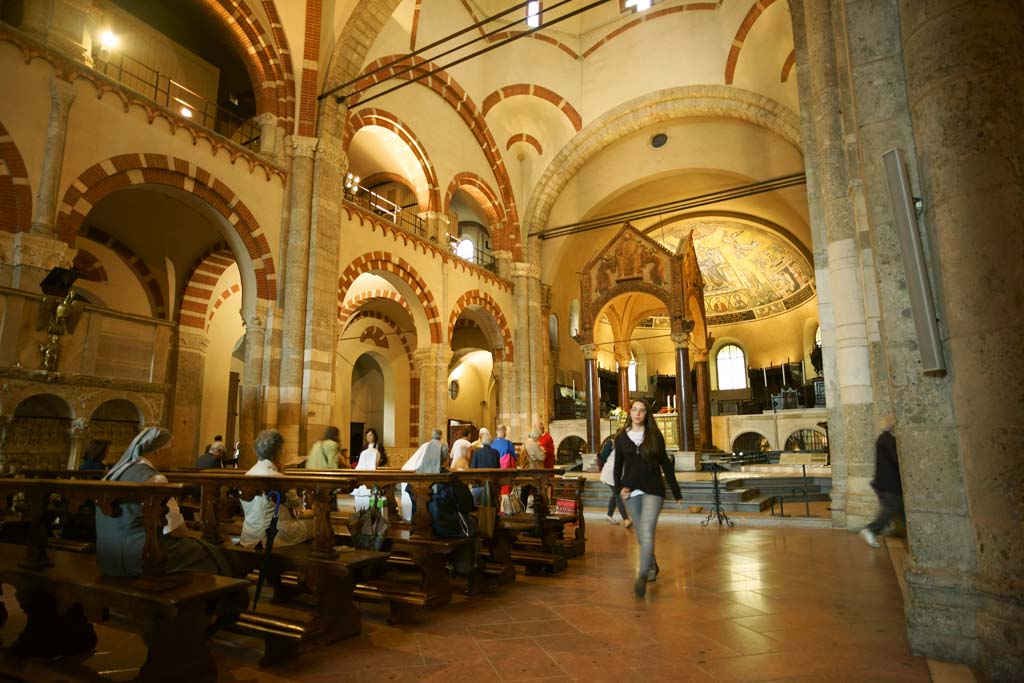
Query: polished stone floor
[747, 604]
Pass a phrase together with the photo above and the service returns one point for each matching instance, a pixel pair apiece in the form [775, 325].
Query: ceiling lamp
[109, 40]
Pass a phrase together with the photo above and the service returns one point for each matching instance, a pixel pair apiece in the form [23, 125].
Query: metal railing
[386, 209]
[179, 99]
[481, 257]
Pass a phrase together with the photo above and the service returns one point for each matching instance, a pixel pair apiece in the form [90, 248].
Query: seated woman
[119, 540]
[260, 510]
[95, 454]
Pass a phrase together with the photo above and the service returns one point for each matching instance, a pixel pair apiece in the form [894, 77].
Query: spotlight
[186, 112]
[108, 40]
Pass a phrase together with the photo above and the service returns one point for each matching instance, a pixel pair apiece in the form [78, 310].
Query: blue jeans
[644, 510]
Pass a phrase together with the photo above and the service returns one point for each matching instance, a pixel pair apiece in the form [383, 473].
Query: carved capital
[62, 94]
[330, 151]
[266, 119]
[193, 342]
[78, 427]
[589, 351]
[254, 322]
[680, 339]
[523, 269]
[40, 251]
[304, 146]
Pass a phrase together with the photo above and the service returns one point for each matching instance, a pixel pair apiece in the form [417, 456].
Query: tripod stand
[717, 512]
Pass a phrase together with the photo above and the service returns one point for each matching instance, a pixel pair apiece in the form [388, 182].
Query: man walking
[887, 483]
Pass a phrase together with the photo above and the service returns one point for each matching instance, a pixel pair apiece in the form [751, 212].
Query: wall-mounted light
[109, 40]
[186, 112]
[453, 389]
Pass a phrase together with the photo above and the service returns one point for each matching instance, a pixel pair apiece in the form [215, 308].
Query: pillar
[188, 396]
[62, 94]
[251, 389]
[293, 336]
[436, 225]
[505, 377]
[684, 396]
[623, 367]
[432, 362]
[592, 384]
[78, 433]
[703, 390]
[521, 422]
[964, 64]
[268, 134]
[538, 336]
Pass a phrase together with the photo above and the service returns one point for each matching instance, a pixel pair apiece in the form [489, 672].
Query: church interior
[776, 221]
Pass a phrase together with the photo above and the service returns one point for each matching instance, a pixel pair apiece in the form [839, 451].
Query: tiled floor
[747, 604]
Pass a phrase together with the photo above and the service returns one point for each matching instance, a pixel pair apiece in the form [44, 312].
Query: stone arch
[528, 139]
[194, 310]
[381, 263]
[136, 265]
[481, 192]
[656, 107]
[787, 66]
[755, 11]
[125, 170]
[266, 56]
[649, 16]
[347, 308]
[448, 89]
[751, 430]
[371, 116]
[15, 187]
[533, 90]
[495, 326]
[221, 300]
[91, 267]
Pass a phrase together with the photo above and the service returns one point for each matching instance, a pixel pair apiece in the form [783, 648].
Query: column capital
[589, 351]
[304, 146]
[330, 151]
[78, 427]
[192, 341]
[254, 322]
[680, 340]
[62, 94]
[523, 269]
[266, 118]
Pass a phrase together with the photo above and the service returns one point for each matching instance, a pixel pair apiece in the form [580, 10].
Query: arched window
[817, 336]
[750, 442]
[631, 374]
[732, 368]
[807, 440]
[574, 318]
[553, 331]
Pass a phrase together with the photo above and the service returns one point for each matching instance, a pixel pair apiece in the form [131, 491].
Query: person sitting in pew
[260, 510]
[484, 457]
[95, 454]
[119, 540]
[213, 456]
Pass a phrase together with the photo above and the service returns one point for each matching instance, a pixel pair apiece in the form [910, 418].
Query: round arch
[490, 319]
[14, 183]
[717, 346]
[409, 284]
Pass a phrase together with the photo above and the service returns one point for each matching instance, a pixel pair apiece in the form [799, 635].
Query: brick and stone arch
[369, 314]
[403, 277]
[150, 283]
[125, 170]
[429, 197]
[448, 89]
[485, 312]
[89, 266]
[483, 195]
[15, 187]
[753, 14]
[695, 101]
[533, 90]
[347, 307]
[194, 310]
[649, 15]
[266, 56]
[787, 66]
[221, 300]
[528, 139]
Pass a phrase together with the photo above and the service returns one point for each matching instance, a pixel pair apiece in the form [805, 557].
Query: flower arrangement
[617, 413]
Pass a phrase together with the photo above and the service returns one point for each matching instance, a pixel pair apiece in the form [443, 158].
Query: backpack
[450, 505]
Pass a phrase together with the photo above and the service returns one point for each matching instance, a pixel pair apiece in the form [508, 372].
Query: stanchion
[717, 511]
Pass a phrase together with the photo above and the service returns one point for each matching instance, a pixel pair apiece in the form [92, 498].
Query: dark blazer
[634, 472]
[887, 465]
[485, 457]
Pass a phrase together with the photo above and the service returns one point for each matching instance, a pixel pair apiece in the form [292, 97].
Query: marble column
[703, 390]
[187, 410]
[293, 339]
[44, 221]
[251, 389]
[684, 396]
[78, 435]
[623, 367]
[322, 293]
[522, 422]
[538, 337]
[593, 389]
[432, 362]
[852, 417]
[268, 134]
[505, 376]
[964, 64]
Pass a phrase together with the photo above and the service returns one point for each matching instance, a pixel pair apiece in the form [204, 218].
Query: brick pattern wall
[381, 263]
[477, 299]
[649, 15]
[15, 188]
[195, 311]
[534, 90]
[149, 282]
[755, 11]
[310, 69]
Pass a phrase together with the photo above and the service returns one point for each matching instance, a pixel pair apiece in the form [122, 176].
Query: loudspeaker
[919, 288]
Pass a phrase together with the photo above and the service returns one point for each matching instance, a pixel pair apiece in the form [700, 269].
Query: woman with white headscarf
[368, 461]
[426, 460]
[119, 540]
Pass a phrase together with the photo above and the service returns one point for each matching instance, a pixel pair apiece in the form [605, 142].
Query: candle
[784, 372]
[574, 386]
[765, 371]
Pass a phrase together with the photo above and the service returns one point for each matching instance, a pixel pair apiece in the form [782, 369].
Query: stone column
[964, 65]
[851, 417]
[188, 396]
[62, 94]
[623, 367]
[322, 293]
[289, 411]
[251, 389]
[684, 397]
[505, 376]
[521, 338]
[436, 224]
[78, 438]
[432, 362]
[700, 364]
[268, 134]
[593, 388]
[538, 339]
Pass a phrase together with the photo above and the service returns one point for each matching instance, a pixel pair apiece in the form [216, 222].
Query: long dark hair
[332, 434]
[652, 448]
[382, 461]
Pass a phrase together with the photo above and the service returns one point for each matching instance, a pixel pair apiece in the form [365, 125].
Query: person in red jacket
[547, 444]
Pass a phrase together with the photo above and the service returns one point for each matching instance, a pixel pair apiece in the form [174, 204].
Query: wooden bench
[320, 569]
[172, 612]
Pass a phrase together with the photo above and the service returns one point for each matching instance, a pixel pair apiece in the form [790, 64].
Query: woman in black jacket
[640, 461]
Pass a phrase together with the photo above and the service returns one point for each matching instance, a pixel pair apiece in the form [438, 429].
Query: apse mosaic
[749, 273]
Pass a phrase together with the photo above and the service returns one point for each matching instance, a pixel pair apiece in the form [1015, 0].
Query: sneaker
[640, 587]
[611, 520]
[869, 537]
[628, 524]
[652, 573]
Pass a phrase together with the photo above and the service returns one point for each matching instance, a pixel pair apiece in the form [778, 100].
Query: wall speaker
[918, 285]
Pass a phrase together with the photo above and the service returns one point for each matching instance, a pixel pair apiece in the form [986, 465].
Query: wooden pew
[321, 569]
[171, 612]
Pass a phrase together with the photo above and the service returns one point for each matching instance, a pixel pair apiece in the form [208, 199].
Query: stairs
[738, 495]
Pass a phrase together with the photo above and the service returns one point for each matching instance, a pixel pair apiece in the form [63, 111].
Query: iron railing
[481, 257]
[386, 209]
[185, 102]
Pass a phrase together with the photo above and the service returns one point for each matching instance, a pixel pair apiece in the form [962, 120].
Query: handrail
[386, 209]
[186, 102]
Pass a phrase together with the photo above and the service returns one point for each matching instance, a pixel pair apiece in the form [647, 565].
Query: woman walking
[640, 460]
